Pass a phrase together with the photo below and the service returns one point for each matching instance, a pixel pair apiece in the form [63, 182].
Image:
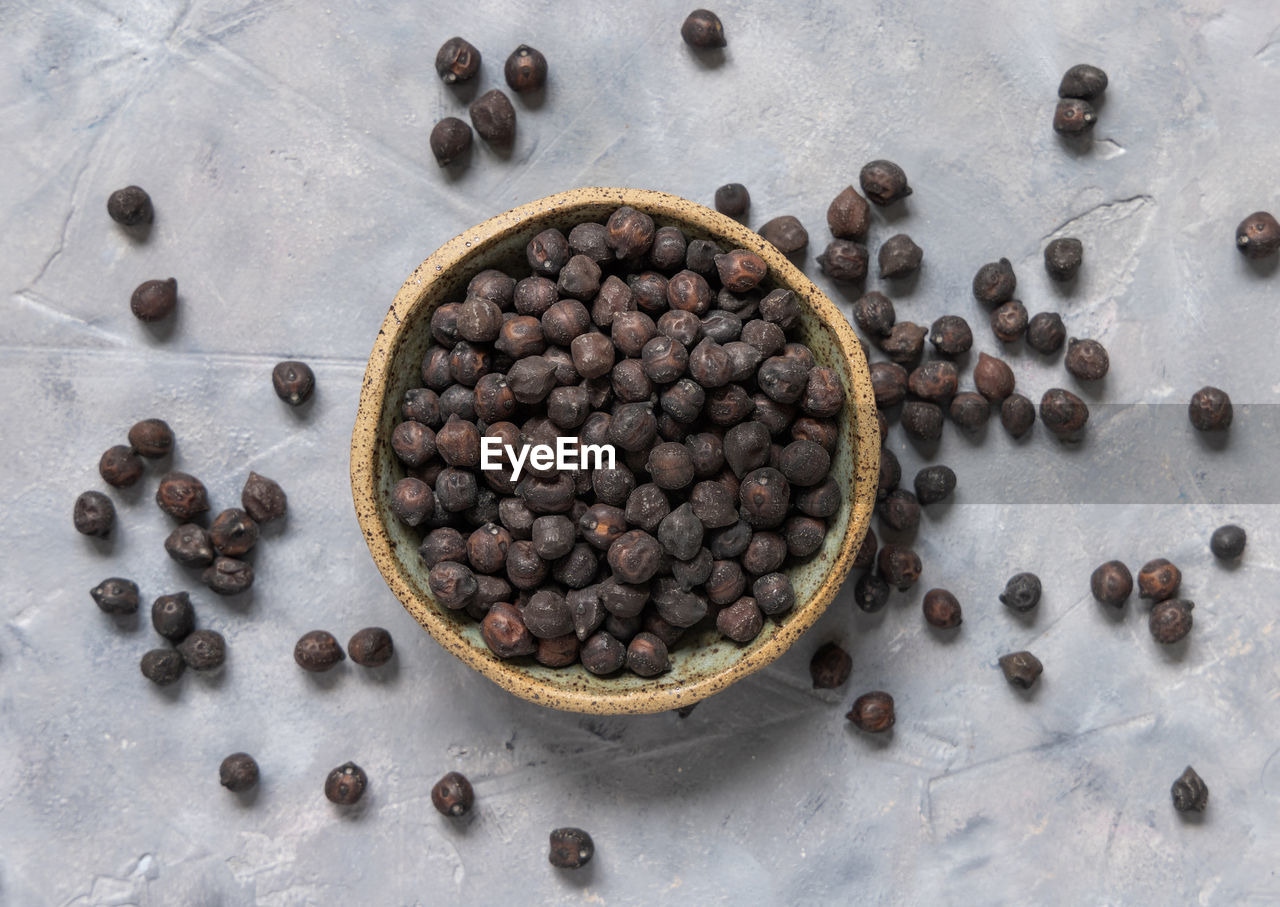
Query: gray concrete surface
[285, 145]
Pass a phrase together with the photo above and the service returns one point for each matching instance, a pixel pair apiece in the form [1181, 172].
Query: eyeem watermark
[568, 454]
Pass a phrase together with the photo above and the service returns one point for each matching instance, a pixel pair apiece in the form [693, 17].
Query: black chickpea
[884, 182]
[453, 795]
[723, 425]
[995, 282]
[788, 235]
[702, 29]
[525, 70]
[94, 514]
[1046, 333]
[130, 207]
[1086, 359]
[732, 199]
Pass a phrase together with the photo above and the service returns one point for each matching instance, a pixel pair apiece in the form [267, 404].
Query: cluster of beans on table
[674, 353]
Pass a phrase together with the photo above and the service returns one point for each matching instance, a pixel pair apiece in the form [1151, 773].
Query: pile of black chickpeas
[675, 353]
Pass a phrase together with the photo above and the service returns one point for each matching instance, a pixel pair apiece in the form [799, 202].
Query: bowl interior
[702, 662]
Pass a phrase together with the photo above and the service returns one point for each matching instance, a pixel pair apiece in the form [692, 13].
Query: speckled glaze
[709, 664]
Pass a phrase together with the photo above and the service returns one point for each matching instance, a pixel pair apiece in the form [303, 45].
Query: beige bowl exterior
[713, 663]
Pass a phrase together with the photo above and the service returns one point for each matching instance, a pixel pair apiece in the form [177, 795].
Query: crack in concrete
[178, 21]
[1129, 206]
[244, 68]
[32, 299]
[1059, 740]
[926, 808]
[20, 635]
[229, 23]
[519, 781]
[1057, 620]
[531, 164]
[66, 221]
[1108, 148]
[1273, 40]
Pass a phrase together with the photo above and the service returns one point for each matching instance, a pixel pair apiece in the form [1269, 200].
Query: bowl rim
[364, 450]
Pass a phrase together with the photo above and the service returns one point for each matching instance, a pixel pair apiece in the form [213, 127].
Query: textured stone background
[284, 144]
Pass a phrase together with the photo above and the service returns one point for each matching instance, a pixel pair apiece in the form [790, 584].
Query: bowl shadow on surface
[725, 737]
[742, 729]
[726, 732]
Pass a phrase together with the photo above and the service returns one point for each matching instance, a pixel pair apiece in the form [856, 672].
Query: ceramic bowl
[699, 667]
